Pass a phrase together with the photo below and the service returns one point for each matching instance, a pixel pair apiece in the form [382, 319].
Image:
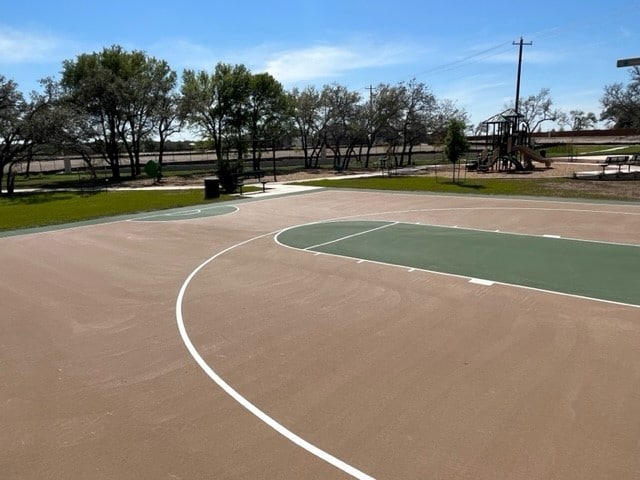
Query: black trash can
[211, 187]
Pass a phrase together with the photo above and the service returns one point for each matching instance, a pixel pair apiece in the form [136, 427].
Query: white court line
[350, 236]
[469, 279]
[200, 212]
[454, 275]
[480, 281]
[282, 430]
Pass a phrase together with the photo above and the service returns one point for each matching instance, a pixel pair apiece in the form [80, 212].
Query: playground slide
[516, 164]
[489, 160]
[532, 155]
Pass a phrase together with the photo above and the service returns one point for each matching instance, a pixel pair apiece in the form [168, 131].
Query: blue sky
[463, 50]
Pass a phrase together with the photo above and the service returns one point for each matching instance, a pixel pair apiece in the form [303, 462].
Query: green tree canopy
[621, 104]
[455, 143]
[121, 93]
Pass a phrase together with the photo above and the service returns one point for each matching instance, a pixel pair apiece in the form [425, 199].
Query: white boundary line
[351, 236]
[282, 430]
[454, 275]
[196, 213]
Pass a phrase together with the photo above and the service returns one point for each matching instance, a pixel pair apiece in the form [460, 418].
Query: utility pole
[370, 88]
[521, 43]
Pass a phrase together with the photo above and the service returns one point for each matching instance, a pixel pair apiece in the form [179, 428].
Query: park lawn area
[539, 187]
[26, 210]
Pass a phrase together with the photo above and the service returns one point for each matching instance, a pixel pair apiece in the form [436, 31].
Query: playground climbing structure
[508, 144]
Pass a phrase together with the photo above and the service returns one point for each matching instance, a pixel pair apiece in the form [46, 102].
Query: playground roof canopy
[508, 116]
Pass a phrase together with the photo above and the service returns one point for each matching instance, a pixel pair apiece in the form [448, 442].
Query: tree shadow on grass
[470, 186]
[35, 198]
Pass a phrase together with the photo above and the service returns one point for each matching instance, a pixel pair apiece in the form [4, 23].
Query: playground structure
[508, 145]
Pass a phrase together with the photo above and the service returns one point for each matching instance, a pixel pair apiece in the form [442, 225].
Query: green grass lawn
[579, 150]
[27, 210]
[540, 187]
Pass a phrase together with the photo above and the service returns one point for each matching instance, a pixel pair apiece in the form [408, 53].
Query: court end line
[480, 281]
[281, 429]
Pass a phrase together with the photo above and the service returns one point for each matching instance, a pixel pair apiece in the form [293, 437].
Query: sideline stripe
[470, 279]
[282, 430]
[479, 281]
[191, 214]
[455, 275]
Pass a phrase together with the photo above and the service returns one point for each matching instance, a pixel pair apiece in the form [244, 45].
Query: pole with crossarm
[521, 43]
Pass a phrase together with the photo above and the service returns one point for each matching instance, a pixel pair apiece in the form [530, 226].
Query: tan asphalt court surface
[398, 374]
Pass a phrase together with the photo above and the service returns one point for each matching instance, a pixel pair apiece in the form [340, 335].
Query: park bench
[634, 160]
[240, 177]
[618, 160]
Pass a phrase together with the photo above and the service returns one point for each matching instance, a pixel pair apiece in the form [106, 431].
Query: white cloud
[290, 65]
[26, 47]
[330, 61]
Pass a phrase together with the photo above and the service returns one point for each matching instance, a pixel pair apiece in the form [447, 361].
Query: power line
[462, 62]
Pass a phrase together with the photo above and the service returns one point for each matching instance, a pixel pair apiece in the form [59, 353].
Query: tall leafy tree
[306, 111]
[383, 110]
[342, 110]
[25, 128]
[216, 104]
[93, 83]
[167, 123]
[149, 84]
[417, 104]
[438, 122]
[121, 93]
[581, 120]
[621, 104]
[266, 109]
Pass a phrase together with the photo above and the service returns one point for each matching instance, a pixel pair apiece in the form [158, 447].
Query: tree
[167, 123]
[581, 120]
[620, 104]
[149, 84]
[267, 105]
[217, 105]
[537, 109]
[306, 108]
[445, 111]
[416, 104]
[25, 126]
[455, 144]
[68, 127]
[121, 93]
[383, 110]
[341, 127]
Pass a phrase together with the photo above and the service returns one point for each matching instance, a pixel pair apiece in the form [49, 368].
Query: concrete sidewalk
[278, 188]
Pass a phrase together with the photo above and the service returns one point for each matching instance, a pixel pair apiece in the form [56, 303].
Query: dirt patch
[610, 189]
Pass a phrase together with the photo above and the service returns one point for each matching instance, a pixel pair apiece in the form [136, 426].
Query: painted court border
[596, 270]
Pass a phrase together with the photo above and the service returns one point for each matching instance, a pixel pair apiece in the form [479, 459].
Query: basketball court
[332, 334]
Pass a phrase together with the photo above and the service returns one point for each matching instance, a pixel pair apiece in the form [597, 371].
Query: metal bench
[240, 177]
[618, 160]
